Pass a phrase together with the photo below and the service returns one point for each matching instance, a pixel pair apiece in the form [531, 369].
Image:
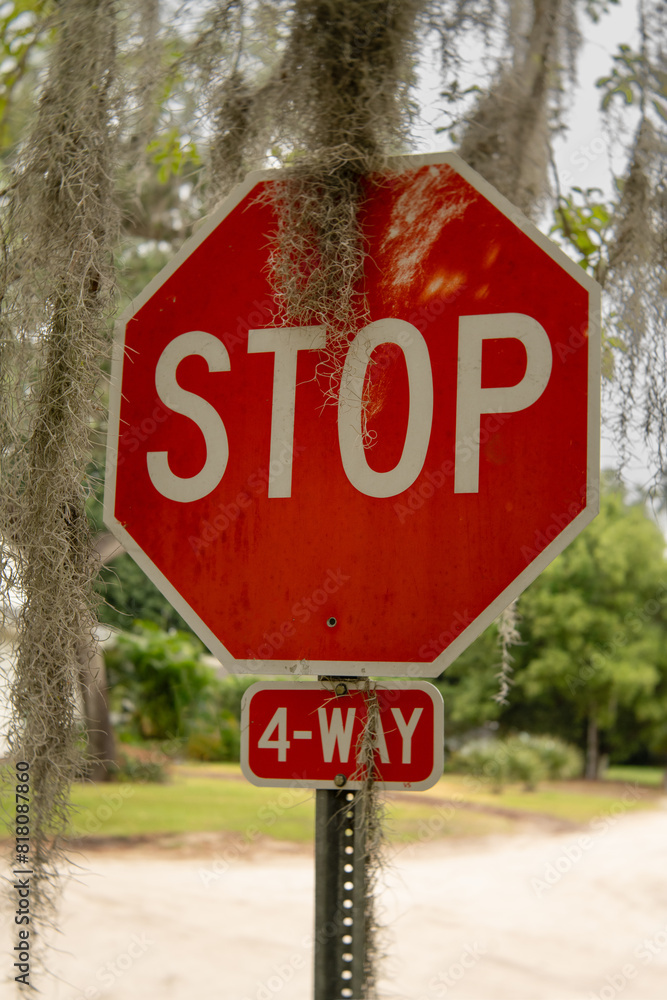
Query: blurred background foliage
[591, 667]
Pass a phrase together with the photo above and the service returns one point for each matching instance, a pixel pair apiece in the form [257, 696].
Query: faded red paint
[407, 573]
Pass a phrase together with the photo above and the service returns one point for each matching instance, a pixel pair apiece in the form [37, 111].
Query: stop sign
[381, 532]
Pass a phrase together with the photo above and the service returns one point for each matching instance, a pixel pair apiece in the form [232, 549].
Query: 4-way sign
[309, 734]
[378, 534]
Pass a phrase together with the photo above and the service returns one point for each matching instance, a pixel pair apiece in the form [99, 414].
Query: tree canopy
[593, 646]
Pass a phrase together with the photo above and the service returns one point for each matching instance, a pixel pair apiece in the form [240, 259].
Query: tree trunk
[592, 748]
[101, 740]
[93, 685]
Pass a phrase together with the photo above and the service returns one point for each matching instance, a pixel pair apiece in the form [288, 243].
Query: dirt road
[574, 916]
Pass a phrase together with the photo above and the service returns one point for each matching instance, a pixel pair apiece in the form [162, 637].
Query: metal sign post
[311, 734]
[340, 861]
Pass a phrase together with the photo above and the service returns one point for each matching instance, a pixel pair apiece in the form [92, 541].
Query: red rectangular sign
[309, 734]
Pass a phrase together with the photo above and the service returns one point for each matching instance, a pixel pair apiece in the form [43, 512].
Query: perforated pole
[340, 857]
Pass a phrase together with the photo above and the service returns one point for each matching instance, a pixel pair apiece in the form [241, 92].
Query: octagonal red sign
[380, 532]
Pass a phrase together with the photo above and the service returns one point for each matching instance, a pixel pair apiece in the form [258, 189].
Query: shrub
[485, 759]
[231, 690]
[525, 764]
[159, 686]
[162, 690]
[133, 764]
[219, 745]
[525, 758]
[561, 760]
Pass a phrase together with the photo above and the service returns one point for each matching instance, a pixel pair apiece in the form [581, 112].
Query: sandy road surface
[480, 920]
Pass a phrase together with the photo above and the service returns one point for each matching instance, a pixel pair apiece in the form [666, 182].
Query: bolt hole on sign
[382, 533]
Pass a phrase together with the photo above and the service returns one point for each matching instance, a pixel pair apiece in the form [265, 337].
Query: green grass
[652, 776]
[577, 801]
[193, 804]
[416, 820]
[214, 797]
[199, 799]
[203, 802]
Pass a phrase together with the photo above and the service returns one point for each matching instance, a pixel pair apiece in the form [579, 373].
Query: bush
[162, 690]
[230, 692]
[223, 744]
[485, 759]
[561, 760]
[136, 764]
[159, 685]
[525, 764]
[525, 758]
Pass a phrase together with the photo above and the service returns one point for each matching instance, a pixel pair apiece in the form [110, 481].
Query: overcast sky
[583, 155]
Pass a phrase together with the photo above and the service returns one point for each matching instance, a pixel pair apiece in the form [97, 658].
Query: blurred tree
[159, 681]
[593, 643]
